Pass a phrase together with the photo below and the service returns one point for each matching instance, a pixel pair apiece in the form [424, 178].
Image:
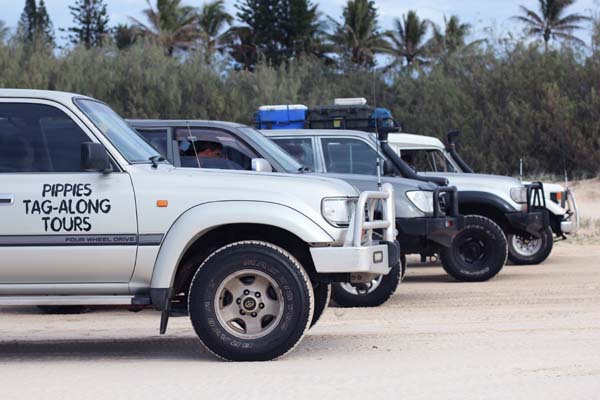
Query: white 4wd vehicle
[492, 195]
[90, 214]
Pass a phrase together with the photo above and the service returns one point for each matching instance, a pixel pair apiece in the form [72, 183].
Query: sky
[479, 13]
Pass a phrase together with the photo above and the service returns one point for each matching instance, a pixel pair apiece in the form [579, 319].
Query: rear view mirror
[94, 158]
[261, 165]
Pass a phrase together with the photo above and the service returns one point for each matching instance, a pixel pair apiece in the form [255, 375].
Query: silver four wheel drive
[91, 214]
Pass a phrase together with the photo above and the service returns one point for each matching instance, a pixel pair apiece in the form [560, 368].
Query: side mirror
[261, 165]
[94, 158]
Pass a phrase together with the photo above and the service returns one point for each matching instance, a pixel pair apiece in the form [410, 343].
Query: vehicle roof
[40, 94]
[328, 132]
[408, 140]
[184, 122]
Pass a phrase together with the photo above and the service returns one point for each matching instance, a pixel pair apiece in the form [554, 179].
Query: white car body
[116, 235]
[499, 185]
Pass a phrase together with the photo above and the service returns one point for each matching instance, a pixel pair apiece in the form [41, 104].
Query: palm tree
[407, 40]
[551, 22]
[358, 36]
[170, 25]
[212, 20]
[4, 31]
[453, 37]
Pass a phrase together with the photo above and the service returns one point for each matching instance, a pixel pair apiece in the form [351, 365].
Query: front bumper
[375, 259]
[537, 218]
[570, 222]
[441, 230]
[360, 254]
[533, 222]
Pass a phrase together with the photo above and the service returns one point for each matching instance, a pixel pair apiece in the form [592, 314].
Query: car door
[59, 224]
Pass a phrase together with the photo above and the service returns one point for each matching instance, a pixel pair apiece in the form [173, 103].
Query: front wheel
[371, 294]
[527, 250]
[322, 293]
[250, 301]
[478, 251]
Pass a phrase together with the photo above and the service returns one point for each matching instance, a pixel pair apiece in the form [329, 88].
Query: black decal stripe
[81, 240]
[151, 239]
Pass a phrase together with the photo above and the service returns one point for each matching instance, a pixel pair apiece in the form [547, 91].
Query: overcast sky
[479, 13]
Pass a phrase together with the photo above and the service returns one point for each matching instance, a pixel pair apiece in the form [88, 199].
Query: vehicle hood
[495, 184]
[404, 208]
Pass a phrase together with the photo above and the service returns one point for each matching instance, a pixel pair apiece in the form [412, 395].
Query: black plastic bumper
[533, 222]
[440, 230]
[393, 252]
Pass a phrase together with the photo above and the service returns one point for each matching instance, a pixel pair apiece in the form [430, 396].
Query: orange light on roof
[162, 203]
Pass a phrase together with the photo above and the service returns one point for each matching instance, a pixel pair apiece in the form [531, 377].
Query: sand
[532, 332]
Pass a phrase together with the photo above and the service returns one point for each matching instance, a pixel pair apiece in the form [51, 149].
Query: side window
[300, 148]
[349, 156]
[212, 149]
[158, 138]
[38, 138]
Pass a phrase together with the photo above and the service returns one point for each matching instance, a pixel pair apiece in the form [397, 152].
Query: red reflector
[449, 224]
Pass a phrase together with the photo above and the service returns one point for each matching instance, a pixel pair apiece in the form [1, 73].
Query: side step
[72, 300]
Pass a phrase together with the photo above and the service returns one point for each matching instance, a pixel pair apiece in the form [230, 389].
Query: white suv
[91, 214]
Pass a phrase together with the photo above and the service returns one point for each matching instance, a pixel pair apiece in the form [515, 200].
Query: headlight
[519, 195]
[338, 210]
[421, 199]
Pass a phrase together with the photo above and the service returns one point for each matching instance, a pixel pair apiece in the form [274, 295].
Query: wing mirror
[94, 158]
[261, 165]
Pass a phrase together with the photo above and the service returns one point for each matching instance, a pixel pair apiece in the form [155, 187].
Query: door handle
[7, 199]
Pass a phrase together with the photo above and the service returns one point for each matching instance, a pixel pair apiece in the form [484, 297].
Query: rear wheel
[250, 301]
[529, 250]
[478, 251]
[371, 294]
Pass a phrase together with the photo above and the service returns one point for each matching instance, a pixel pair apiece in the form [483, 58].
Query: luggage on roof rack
[286, 116]
[340, 117]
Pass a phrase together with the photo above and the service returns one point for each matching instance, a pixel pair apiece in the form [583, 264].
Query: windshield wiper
[155, 160]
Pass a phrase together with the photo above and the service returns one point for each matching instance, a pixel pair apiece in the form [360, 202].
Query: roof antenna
[378, 154]
[191, 139]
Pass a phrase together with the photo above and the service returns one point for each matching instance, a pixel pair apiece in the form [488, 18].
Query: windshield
[427, 160]
[273, 150]
[126, 140]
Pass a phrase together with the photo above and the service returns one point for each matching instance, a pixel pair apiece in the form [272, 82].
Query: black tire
[541, 253]
[252, 258]
[478, 251]
[322, 293]
[64, 309]
[342, 297]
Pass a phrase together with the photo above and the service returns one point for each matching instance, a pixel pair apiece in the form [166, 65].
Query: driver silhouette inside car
[210, 155]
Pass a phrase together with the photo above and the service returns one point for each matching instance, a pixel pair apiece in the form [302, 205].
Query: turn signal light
[162, 203]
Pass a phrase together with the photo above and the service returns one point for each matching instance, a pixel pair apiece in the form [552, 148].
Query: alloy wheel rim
[249, 304]
[526, 246]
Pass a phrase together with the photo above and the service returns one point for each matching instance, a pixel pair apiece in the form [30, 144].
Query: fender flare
[484, 198]
[200, 219]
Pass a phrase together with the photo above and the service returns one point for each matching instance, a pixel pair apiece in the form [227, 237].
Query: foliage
[358, 38]
[35, 25]
[91, 23]
[408, 40]
[551, 23]
[170, 25]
